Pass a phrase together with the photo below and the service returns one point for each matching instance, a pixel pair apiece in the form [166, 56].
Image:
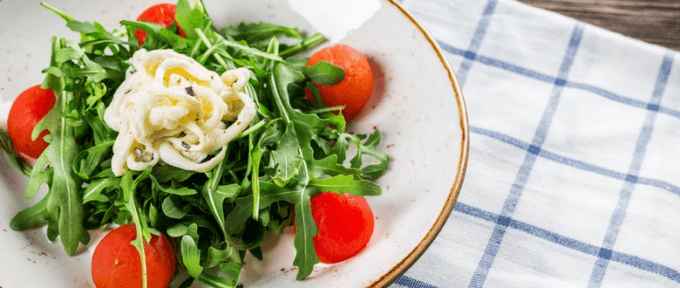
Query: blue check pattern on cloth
[574, 166]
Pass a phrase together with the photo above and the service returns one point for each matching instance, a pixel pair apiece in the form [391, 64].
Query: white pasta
[172, 110]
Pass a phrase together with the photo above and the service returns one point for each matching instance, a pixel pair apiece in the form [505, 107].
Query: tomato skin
[163, 14]
[356, 88]
[26, 111]
[116, 263]
[345, 223]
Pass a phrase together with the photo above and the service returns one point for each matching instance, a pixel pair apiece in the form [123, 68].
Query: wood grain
[653, 21]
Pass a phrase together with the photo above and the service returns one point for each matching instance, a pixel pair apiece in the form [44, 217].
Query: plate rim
[400, 268]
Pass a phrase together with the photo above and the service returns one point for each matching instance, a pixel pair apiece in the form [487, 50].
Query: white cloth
[574, 167]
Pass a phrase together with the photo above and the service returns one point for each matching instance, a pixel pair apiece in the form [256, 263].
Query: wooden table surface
[653, 21]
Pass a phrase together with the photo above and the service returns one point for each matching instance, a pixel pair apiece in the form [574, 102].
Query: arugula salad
[216, 201]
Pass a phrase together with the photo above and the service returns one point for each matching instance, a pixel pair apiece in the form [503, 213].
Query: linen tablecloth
[574, 167]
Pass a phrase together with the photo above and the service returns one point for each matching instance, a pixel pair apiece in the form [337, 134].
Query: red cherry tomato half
[26, 111]
[345, 224]
[116, 263]
[162, 14]
[357, 86]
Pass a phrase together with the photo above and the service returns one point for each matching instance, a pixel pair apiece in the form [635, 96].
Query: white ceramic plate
[421, 113]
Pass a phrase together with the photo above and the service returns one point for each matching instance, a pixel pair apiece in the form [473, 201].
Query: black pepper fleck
[186, 145]
[190, 91]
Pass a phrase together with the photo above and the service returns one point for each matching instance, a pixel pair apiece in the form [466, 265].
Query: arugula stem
[119, 33]
[215, 209]
[277, 99]
[56, 11]
[250, 91]
[202, 8]
[102, 41]
[197, 46]
[252, 129]
[131, 205]
[272, 48]
[209, 45]
[309, 42]
[208, 26]
[328, 109]
[214, 181]
[209, 52]
[129, 187]
[142, 252]
[252, 51]
[247, 49]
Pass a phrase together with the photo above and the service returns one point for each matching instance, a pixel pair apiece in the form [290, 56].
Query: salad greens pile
[294, 149]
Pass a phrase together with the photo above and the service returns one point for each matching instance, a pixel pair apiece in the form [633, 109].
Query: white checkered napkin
[574, 170]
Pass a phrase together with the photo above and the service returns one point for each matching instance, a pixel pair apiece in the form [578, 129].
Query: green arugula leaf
[297, 195]
[171, 210]
[281, 78]
[324, 73]
[191, 256]
[12, 156]
[86, 161]
[93, 192]
[286, 157]
[70, 53]
[64, 193]
[129, 187]
[305, 256]
[217, 257]
[81, 27]
[190, 19]
[31, 217]
[165, 173]
[343, 184]
[253, 32]
[270, 136]
[156, 31]
[214, 195]
[52, 226]
[95, 120]
[336, 120]
[97, 91]
[330, 166]
[372, 171]
[173, 189]
[214, 198]
[232, 269]
[38, 177]
[277, 217]
[177, 230]
[153, 216]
